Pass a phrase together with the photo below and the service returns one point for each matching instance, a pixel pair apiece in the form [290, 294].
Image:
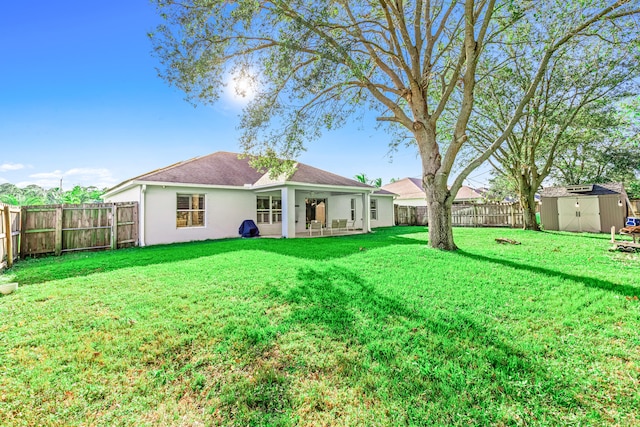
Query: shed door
[583, 217]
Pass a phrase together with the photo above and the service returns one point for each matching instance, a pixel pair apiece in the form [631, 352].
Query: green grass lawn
[369, 330]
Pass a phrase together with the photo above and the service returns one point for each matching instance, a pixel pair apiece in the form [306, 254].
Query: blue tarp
[249, 229]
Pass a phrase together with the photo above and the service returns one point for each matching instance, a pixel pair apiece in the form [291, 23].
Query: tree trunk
[528, 203]
[439, 213]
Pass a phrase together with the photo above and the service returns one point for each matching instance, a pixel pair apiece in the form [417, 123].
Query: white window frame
[191, 210]
[273, 214]
[353, 209]
[262, 213]
[373, 204]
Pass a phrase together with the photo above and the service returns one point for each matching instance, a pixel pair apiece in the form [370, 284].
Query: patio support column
[366, 212]
[288, 212]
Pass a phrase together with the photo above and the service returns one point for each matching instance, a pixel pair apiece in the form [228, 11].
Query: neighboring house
[410, 193]
[208, 198]
[593, 208]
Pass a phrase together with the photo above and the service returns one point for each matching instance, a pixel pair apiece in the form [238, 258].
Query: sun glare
[242, 87]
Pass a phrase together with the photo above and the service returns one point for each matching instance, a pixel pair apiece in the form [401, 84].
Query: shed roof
[598, 190]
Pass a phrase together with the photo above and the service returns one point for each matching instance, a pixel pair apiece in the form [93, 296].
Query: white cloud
[5, 167]
[48, 175]
[98, 177]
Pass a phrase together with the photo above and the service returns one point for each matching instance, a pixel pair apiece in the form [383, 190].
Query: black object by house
[248, 228]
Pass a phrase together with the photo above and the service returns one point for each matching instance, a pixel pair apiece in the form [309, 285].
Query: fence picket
[466, 215]
[64, 228]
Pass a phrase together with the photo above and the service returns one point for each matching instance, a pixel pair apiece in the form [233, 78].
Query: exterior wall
[130, 195]
[339, 207]
[225, 209]
[549, 213]
[385, 212]
[611, 215]
[410, 202]
[224, 212]
[266, 229]
[301, 211]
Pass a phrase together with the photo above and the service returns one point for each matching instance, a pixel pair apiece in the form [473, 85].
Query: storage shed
[593, 208]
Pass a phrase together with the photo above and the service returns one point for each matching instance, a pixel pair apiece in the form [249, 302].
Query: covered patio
[307, 210]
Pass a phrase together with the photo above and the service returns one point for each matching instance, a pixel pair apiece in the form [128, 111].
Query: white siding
[410, 202]
[130, 195]
[224, 212]
[385, 212]
[339, 207]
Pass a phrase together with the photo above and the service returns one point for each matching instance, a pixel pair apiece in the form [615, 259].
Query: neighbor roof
[407, 188]
[411, 188]
[598, 190]
[228, 169]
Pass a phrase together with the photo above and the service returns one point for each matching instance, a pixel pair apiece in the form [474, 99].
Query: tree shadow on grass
[625, 290]
[422, 356]
[40, 270]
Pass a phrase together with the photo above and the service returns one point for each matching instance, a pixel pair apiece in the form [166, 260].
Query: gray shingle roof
[598, 190]
[310, 175]
[227, 169]
[220, 168]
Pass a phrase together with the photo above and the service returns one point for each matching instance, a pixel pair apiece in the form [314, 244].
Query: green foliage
[34, 195]
[501, 187]
[414, 65]
[320, 332]
[633, 189]
[363, 178]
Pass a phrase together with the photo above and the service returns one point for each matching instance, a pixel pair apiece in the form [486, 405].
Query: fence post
[114, 227]
[8, 236]
[58, 242]
[512, 213]
[23, 227]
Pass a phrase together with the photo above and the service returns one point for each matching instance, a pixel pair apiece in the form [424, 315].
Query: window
[269, 209]
[374, 208]
[190, 210]
[263, 209]
[276, 209]
[353, 209]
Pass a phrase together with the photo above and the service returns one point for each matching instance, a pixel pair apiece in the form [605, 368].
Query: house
[410, 193]
[593, 208]
[208, 197]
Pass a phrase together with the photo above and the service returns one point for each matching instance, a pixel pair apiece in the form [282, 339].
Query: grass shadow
[625, 290]
[40, 270]
[421, 355]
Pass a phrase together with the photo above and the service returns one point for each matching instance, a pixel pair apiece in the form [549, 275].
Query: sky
[81, 102]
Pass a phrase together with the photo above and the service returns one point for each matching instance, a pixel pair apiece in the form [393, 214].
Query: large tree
[317, 62]
[572, 112]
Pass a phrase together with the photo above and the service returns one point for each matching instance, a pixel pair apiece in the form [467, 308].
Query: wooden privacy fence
[9, 234]
[635, 204]
[410, 215]
[466, 215]
[487, 215]
[54, 229]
